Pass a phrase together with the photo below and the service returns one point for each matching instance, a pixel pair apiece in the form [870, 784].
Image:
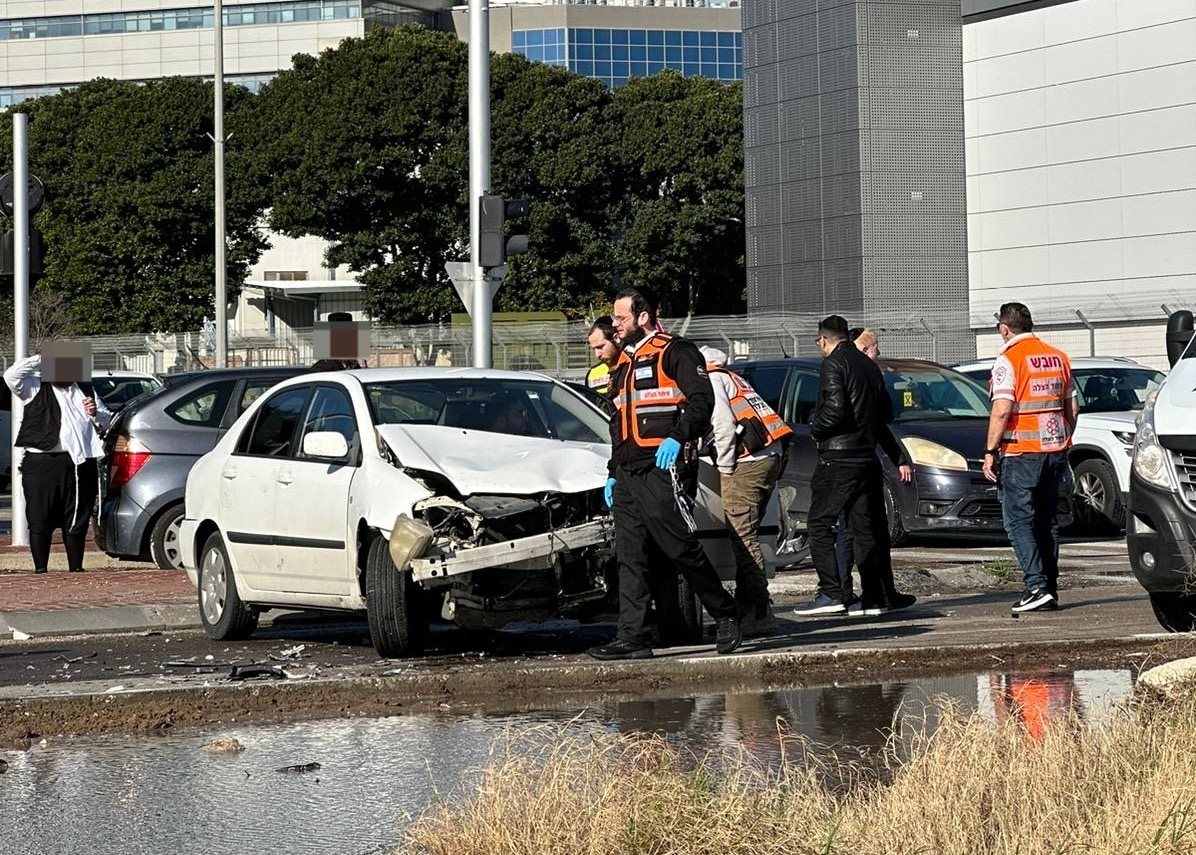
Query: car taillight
[128, 456]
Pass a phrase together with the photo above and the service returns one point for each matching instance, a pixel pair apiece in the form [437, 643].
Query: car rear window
[202, 407]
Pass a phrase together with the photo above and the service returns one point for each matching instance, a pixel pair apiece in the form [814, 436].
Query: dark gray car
[151, 448]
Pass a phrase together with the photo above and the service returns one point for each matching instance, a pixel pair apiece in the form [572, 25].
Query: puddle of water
[147, 795]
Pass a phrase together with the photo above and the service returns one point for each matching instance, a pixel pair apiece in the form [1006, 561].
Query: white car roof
[1076, 362]
[385, 375]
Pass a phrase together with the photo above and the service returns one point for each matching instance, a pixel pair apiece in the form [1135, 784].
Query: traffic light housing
[493, 244]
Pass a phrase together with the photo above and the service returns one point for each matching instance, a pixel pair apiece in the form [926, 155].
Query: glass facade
[613, 56]
[190, 18]
[12, 95]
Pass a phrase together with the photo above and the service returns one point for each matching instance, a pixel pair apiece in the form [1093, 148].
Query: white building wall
[1080, 126]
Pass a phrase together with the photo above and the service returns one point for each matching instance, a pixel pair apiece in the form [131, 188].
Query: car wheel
[224, 616]
[1097, 498]
[392, 605]
[1174, 611]
[897, 533]
[164, 539]
[678, 613]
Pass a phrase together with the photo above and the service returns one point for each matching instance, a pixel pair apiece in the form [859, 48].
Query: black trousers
[58, 495]
[645, 514]
[854, 490]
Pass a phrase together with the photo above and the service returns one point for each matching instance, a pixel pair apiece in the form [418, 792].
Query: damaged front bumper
[443, 563]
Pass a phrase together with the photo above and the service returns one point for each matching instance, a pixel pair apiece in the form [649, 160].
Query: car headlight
[1126, 437]
[1150, 458]
[923, 452]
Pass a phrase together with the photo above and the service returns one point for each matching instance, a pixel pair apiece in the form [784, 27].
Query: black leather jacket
[853, 412]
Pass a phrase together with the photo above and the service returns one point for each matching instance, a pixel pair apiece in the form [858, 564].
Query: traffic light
[493, 244]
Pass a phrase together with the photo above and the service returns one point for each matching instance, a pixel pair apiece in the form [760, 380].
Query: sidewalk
[124, 598]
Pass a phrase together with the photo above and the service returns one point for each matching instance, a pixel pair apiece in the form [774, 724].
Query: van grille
[1185, 473]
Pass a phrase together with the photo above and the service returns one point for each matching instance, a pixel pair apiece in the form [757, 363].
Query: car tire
[1174, 611]
[392, 605]
[1097, 497]
[678, 613]
[223, 615]
[897, 533]
[164, 539]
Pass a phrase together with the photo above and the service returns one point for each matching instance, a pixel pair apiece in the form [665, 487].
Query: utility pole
[20, 303]
[218, 139]
[479, 176]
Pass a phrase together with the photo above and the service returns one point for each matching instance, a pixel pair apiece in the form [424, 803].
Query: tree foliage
[366, 146]
[128, 226]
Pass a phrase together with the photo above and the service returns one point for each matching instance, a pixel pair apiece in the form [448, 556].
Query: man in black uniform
[664, 401]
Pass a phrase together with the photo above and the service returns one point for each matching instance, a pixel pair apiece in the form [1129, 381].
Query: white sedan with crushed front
[469, 494]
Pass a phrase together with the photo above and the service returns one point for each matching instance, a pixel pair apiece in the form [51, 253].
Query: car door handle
[229, 474]
[285, 478]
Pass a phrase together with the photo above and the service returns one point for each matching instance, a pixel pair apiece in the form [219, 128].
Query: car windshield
[1114, 390]
[531, 408]
[929, 392]
[117, 392]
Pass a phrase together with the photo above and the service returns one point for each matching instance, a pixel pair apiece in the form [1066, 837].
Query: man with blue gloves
[663, 401]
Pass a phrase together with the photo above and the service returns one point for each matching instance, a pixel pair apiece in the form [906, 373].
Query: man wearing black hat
[851, 418]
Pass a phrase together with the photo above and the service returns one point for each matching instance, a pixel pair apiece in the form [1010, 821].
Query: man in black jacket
[850, 420]
[663, 401]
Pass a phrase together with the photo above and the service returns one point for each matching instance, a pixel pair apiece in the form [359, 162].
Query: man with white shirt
[61, 433]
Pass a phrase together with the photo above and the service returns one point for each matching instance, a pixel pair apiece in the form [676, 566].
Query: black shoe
[621, 650]
[727, 634]
[39, 569]
[76, 569]
[821, 605]
[1035, 601]
[895, 601]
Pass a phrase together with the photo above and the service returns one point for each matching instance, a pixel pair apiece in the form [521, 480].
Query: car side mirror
[1179, 336]
[325, 445]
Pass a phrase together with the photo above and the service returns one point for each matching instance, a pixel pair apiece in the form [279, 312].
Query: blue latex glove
[666, 455]
[609, 492]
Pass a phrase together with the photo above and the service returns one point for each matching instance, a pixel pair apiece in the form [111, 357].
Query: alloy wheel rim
[170, 544]
[1091, 491]
[214, 586]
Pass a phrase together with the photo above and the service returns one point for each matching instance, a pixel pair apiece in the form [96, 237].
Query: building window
[191, 18]
[614, 56]
[286, 275]
[546, 46]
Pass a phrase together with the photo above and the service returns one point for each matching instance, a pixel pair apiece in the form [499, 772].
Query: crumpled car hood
[495, 463]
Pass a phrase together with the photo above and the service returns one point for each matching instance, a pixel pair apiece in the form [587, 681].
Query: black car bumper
[1160, 536]
[940, 500]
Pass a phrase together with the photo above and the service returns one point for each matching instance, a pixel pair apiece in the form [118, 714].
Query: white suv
[1112, 390]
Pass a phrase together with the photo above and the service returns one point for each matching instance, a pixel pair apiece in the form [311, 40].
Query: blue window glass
[656, 37]
[583, 52]
[709, 54]
[550, 53]
[620, 52]
[639, 69]
[655, 54]
[573, 37]
[601, 37]
[690, 38]
[672, 37]
[518, 39]
[691, 69]
[726, 55]
[638, 37]
[738, 71]
[691, 54]
[584, 66]
[534, 52]
[656, 67]
[601, 69]
[710, 69]
[618, 81]
[708, 38]
[738, 39]
[602, 52]
[585, 36]
[672, 55]
[639, 53]
[726, 39]
[535, 37]
[619, 37]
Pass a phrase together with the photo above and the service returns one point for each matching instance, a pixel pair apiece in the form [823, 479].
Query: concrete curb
[99, 620]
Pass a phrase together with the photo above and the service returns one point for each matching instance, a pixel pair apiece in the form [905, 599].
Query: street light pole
[479, 173]
[20, 303]
[218, 139]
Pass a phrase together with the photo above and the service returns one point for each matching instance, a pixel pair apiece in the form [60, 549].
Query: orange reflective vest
[648, 401]
[757, 425]
[598, 378]
[1042, 386]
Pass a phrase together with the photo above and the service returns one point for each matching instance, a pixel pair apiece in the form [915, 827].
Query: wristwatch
[993, 451]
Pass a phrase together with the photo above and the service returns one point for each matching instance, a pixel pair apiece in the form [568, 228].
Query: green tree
[681, 222]
[128, 225]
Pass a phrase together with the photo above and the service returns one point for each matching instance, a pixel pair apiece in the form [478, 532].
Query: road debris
[71, 660]
[17, 635]
[224, 745]
[254, 672]
[290, 653]
[301, 769]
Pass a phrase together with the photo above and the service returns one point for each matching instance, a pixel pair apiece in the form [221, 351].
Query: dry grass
[1125, 786]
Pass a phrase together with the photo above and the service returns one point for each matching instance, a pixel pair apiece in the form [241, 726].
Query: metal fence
[556, 348]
